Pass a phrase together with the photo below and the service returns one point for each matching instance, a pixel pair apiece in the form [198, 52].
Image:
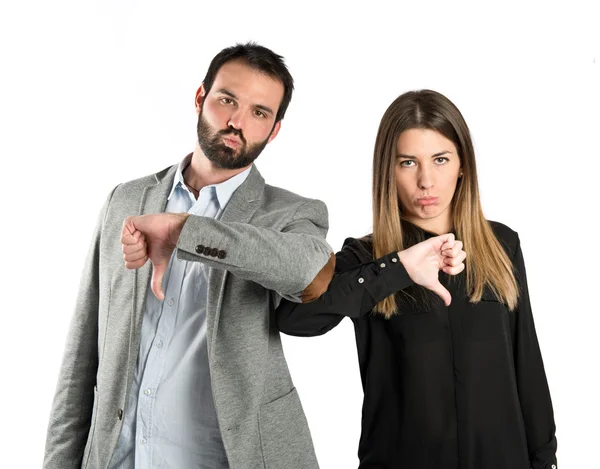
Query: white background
[97, 93]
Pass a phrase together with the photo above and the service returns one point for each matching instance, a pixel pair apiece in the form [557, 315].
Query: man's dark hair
[260, 58]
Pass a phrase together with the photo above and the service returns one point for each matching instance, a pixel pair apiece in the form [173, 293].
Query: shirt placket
[155, 363]
[156, 360]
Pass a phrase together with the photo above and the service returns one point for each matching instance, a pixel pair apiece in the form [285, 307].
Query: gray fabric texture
[275, 245]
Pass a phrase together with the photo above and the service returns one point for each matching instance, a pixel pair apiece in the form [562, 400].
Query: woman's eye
[441, 160]
[407, 163]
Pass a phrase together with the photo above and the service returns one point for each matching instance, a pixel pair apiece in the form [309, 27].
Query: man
[193, 376]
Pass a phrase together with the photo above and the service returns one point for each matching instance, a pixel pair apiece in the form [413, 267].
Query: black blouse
[457, 387]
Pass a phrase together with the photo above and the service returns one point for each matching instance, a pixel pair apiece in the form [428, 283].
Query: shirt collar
[224, 189]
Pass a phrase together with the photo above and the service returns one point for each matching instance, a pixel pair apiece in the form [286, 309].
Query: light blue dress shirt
[170, 419]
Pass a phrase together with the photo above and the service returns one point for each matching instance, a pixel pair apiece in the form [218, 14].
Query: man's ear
[275, 131]
[200, 94]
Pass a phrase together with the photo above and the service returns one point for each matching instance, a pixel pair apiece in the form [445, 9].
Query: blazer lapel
[241, 207]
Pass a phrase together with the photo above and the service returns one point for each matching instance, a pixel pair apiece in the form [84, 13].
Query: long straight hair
[487, 263]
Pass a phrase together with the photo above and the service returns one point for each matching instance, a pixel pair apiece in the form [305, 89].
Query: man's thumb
[441, 291]
[158, 272]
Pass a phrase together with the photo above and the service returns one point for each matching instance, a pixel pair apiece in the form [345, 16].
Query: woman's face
[427, 171]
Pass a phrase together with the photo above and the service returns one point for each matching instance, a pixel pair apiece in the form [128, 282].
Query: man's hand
[152, 237]
[423, 262]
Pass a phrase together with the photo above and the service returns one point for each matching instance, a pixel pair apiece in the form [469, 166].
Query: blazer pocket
[284, 434]
[88, 445]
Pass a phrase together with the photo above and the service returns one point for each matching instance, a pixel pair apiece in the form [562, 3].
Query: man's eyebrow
[227, 92]
[265, 108]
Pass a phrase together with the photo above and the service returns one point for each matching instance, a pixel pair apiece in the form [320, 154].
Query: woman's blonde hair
[487, 263]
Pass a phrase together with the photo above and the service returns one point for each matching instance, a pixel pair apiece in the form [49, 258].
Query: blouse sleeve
[357, 286]
[534, 395]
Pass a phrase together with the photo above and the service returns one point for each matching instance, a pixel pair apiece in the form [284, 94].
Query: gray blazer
[269, 244]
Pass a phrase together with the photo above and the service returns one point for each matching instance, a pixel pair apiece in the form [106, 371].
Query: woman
[448, 384]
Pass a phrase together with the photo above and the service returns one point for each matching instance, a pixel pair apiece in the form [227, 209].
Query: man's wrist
[177, 228]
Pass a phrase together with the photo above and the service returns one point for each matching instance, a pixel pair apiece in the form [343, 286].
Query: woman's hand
[423, 262]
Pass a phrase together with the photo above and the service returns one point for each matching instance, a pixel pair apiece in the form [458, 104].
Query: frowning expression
[427, 172]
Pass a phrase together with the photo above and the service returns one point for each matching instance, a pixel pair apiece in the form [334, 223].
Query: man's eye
[226, 100]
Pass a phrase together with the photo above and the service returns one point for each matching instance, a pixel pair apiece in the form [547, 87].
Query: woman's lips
[427, 200]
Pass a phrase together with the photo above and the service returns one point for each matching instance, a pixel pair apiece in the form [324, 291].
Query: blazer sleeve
[534, 395]
[355, 289]
[285, 261]
[70, 417]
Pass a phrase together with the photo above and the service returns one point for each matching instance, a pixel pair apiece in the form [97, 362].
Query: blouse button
[382, 265]
[361, 280]
[394, 260]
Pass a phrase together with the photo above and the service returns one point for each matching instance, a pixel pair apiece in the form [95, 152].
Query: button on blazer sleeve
[359, 283]
[285, 261]
[534, 394]
[71, 413]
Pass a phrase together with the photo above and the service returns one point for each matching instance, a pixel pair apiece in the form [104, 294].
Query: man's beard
[220, 154]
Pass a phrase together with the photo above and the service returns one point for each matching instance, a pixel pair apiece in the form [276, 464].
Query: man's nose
[236, 120]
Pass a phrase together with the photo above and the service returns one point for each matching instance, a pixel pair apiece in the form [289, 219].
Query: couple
[177, 362]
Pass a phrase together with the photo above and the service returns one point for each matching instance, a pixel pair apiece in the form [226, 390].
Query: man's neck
[202, 172]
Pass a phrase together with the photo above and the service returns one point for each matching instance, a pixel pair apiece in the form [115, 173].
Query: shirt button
[553, 466]
[159, 344]
[361, 280]
[170, 302]
[147, 392]
[382, 265]
[394, 260]
[143, 441]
